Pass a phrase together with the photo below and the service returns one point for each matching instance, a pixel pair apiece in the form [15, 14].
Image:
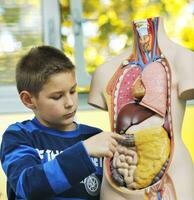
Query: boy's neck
[69, 127]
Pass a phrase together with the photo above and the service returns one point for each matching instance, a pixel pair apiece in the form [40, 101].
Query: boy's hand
[103, 144]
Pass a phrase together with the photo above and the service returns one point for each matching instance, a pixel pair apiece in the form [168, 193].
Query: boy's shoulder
[17, 133]
[24, 126]
[87, 129]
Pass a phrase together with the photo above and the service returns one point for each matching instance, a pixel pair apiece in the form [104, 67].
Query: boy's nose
[68, 101]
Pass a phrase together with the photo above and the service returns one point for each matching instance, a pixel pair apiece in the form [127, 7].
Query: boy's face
[56, 103]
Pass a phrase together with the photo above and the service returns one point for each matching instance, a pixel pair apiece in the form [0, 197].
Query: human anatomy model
[145, 92]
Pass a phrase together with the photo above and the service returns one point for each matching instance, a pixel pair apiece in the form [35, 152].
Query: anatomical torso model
[145, 92]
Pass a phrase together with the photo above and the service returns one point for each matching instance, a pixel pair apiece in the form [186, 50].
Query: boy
[48, 157]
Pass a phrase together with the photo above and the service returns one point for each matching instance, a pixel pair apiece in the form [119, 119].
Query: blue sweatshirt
[42, 163]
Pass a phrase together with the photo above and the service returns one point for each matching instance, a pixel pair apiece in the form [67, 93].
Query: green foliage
[11, 15]
[113, 18]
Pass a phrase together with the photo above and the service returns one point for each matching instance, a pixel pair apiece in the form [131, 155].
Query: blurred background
[90, 33]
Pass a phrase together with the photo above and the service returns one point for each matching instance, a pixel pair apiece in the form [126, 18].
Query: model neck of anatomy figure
[145, 47]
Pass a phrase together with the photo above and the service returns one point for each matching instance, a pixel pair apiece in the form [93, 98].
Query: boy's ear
[27, 99]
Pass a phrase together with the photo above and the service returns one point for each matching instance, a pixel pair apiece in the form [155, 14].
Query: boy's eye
[72, 91]
[57, 97]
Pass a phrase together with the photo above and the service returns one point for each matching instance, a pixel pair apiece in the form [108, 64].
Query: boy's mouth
[69, 115]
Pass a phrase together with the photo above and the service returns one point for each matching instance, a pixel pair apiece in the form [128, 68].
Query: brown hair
[34, 68]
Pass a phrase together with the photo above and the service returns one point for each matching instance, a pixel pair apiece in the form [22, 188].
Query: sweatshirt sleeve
[31, 179]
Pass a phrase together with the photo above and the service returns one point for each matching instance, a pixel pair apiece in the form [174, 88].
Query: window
[20, 29]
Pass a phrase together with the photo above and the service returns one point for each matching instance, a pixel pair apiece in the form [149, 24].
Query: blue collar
[65, 134]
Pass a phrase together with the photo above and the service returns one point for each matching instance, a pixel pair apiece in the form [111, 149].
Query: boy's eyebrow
[75, 85]
[58, 92]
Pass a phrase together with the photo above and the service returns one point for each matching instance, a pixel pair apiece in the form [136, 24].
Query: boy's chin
[68, 124]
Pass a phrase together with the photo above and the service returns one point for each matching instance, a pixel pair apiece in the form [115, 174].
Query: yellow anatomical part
[153, 148]
[138, 90]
